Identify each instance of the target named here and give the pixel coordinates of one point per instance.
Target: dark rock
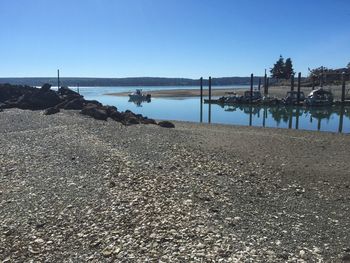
(129, 114)
(95, 102)
(148, 121)
(10, 92)
(66, 95)
(75, 104)
(65, 91)
(346, 258)
(46, 87)
(25, 97)
(40, 225)
(95, 112)
(131, 121)
(283, 256)
(166, 124)
(38, 100)
(114, 114)
(52, 110)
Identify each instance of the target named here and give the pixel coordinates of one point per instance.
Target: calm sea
(333, 119)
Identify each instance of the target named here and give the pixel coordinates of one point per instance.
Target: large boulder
(166, 124)
(25, 97)
(75, 104)
(65, 91)
(39, 100)
(46, 87)
(131, 121)
(94, 111)
(113, 113)
(52, 110)
(11, 93)
(145, 120)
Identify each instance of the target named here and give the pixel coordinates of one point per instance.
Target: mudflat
(274, 91)
(77, 189)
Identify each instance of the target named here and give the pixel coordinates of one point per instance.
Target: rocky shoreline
(73, 188)
(26, 97)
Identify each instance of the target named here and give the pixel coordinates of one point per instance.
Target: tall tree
(278, 69)
(348, 65)
(288, 68)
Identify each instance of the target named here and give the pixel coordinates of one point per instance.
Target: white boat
(319, 97)
(139, 96)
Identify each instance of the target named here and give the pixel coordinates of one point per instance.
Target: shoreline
(274, 91)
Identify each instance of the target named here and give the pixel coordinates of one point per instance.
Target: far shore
(274, 91)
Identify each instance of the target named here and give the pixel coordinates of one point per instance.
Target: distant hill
(108, 82)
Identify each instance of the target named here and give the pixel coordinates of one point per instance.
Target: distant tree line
(329, 75)
(283, 70)
(124, 82)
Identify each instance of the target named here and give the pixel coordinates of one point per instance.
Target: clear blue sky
(170, 38)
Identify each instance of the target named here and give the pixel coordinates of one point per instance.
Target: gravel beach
(75, 189)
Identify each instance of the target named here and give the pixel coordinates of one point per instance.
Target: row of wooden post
(266, 87)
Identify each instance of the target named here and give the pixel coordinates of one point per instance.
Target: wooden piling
(201, 100)
(58, 79)
(267, 86)
(292, 82)
(209, 89)
(299, 83)
(251, 88)
(209, 106)
(259, 84)
(265, 83)
(201, 88)
(343, 87)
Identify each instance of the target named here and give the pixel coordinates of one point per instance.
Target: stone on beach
(52, 110)
(166, 124)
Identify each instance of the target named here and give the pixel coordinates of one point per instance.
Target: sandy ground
(277, 91)
(74, 189)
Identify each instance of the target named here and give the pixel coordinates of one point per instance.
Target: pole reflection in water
(264, 116)
(250, 115)
(341, 119)
(297, 118)
(335, 119)
(290, 122)
(201, 111)
(209, 113)
(319, 124)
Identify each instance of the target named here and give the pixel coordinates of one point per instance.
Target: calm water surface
(333, 119)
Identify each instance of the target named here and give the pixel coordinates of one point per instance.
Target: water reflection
(290, 116)
(138, 102)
